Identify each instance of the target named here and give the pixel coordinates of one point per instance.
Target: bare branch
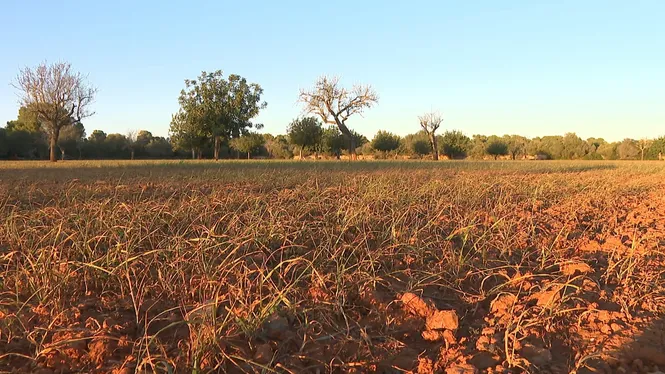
(59, 96)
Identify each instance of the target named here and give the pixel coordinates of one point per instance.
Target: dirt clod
(263, 354)
(442, 320)
(416, 305)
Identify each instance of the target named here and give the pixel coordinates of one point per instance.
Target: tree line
(216, 120)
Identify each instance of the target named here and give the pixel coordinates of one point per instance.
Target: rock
(462, 369)
(502, 304)
(547, 298)
(432, 335)
(484, 360)
(576, 267)
(416, 305)
(263, 354)
(276, 327)
(535, 355)
(425, 366)
(442, 320)
(449, 337)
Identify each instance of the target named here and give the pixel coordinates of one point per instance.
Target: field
(316, 267)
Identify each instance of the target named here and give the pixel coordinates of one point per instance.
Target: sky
(530, 67)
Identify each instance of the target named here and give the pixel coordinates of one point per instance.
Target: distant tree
(4, 145)
(517, 145)
(115, 146)
(334, 104)
(608, 151)
(657, 149)
(58, 96)
(278, 147)
(219, 107)
(248, 143)
(27, 121)
(186, 134)
(594, 143)
(552, 146)
(306, 133)
(478, 146)
(454, 144)
(333, 141)
(158, 147)
(97, 136)
(628, 149)
(643, 145)
(143, 137)
(25, 136)
(430, 122)
(132, 143)
(385, 141)
(416, 145)
(574, 147)
(496, 148)
(71, 139)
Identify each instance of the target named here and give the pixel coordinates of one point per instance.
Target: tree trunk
(316, 155)
(54, 143)
(248, 155)
(642, 154)
(349, 138)
(435, 148)
(131, 157)
(218, 142)
(300, 153)
(193, 153)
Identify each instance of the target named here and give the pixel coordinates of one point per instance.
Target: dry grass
(197, 267)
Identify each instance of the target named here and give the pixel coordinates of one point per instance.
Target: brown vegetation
(331, 267)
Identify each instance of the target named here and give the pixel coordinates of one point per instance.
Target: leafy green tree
(248, 143)
(478, 146)
(594, 143)
(516, 145)
(27, 121)
(416, 145)
(335, 104)
(454, 144)
(552, 146)
(221, 108)
(187, 135)
(496, 148)
(158, 147)
(385, 141)
(71, 140)
(333, 141)
(657, 149)
(4, 144)
(306, 133)
(58, 96)
(574, 147)
(115, 146)
(97, 136)
(278, 146)
(608, 151)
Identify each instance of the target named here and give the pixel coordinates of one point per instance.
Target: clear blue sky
(595, 67)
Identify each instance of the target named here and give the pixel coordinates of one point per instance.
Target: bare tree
(643, 144)
(430, 122)
(335, 104)
(59, 96)
(132, 136)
